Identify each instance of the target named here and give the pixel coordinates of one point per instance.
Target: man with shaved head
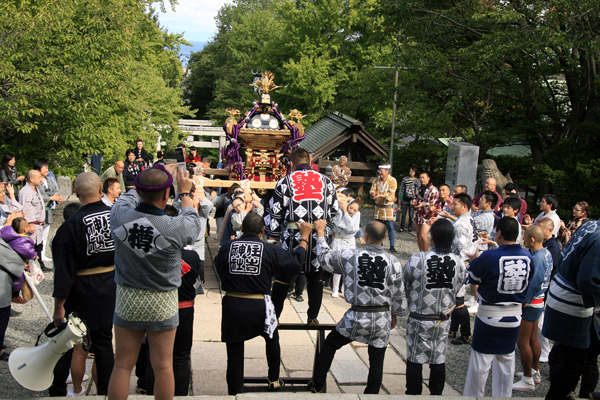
(148, 247)
(375, 291)
(490, 184)
(116, 171)
(550, 242)
(83, 251)
(30, 197)
(553, 247)
(533, 307)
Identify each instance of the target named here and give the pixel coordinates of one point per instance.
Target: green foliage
(324, 51)
(495, 72)
(427, 155)
(491, 72)
(80, 77)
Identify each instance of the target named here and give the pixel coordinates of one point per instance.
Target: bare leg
(419, 236)
(161, 357)
(524, 345)
(423, 235)
(94, 373)
(78, 367)
(536, 348)
(127, 343)
(474, 290)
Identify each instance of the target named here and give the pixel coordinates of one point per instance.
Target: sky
(195, 17)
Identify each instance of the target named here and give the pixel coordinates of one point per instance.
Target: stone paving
(346, 379)
(348, 372)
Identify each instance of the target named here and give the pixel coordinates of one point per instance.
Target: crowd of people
(129, 259)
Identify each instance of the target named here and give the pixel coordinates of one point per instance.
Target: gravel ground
(23, 330)
(457, 356)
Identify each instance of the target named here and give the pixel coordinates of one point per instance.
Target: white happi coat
(484, 221)
(432, 281)
(466, 240)
(372, 278)
(345, 229)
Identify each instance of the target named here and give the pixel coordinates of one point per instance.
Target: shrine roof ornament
(262, 128)
(265, 84)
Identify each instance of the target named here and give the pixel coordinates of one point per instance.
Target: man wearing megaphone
(83, 251)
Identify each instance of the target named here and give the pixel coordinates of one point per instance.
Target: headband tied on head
(158, 188)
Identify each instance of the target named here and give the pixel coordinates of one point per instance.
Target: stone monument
(65, 186)
(461, 168)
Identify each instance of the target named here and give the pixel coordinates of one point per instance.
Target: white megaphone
(33, 367)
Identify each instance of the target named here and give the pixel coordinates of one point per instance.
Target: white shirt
(554, 217)
(107, 201)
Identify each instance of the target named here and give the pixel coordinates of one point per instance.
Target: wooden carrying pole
(205, 182)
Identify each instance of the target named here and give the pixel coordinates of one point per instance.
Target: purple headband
(159, 188)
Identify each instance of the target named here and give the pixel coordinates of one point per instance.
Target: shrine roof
(331, 127)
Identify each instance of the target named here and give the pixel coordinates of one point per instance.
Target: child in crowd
(510, 208)
(346, 227)
(484, 217)
(15, 235)
(533, 307)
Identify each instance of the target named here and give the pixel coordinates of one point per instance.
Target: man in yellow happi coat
(383, 192)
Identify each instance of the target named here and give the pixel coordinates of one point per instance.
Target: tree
(221, 73)
(322, 50)
(80, 77)
(495, 72)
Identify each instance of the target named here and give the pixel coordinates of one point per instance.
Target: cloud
(195, 17)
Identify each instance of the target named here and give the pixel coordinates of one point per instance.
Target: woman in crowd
(580, 212)
(132, 168)
(9, 173)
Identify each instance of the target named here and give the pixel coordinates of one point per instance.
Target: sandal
(276, 385)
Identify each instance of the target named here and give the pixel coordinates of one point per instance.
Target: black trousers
(336, 341)
(406, 208)
(104, 356)
(460, 316)
(297, 285)
(235, 362)
(414, 378)
(4, 318)
(567, 364)
(314, 289)
(181, 355)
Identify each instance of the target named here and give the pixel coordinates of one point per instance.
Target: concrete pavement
(348, 372)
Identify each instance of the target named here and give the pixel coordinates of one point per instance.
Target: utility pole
(397, 67)
(393, 116)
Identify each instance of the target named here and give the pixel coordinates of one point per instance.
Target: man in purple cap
(148, 247)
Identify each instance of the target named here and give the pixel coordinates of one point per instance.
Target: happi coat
(340, 175)
(303, 196)
(427, 196)
(432, 281)
(345, 230)
(372, 278)
(573, 293)
(384, 205)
